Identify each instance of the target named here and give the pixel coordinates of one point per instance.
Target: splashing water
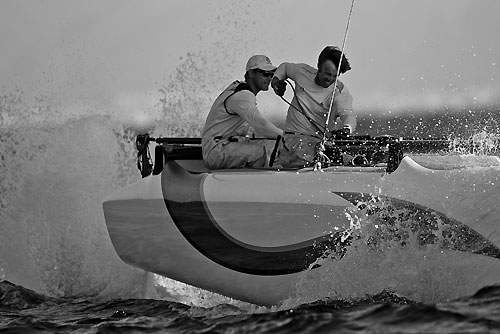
(407, 251)
(58, 163)
(54, 180)
(480, 143)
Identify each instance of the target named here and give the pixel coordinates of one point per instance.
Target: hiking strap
(240, 87)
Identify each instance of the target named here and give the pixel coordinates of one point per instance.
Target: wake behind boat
(251, 233)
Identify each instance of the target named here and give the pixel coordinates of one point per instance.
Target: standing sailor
(307, 115)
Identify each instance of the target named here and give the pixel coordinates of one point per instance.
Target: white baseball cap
(261, 62)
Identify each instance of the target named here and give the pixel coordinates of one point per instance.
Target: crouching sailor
(225, 143)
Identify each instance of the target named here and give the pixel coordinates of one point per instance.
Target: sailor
(225, 138)
(307, 114)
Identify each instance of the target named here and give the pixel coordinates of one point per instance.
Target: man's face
(262, 79)
(326, 74)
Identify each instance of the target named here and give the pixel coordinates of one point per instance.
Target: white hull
(250, 235)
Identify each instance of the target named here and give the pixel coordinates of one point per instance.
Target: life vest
(241, 86)
(222, 122)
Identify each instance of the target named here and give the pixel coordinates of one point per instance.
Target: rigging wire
(338, 72)
(320, 152)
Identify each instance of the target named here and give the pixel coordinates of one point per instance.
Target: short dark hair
(333, 53)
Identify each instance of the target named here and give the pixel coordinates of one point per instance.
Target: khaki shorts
(243, 153)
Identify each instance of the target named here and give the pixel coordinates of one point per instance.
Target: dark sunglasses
(266, 74)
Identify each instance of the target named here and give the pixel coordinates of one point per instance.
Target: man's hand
(343, 133)
(279, 86)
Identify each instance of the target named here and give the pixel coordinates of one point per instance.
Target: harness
(240, 87)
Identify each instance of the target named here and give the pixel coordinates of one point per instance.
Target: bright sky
(121, 52)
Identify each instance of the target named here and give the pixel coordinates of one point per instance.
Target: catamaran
(251, 233)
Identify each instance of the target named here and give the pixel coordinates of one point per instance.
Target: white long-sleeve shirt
(232, 114)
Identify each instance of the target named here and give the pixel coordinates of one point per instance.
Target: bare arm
(343, 106)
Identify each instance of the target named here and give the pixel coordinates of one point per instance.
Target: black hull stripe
(184, 202)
